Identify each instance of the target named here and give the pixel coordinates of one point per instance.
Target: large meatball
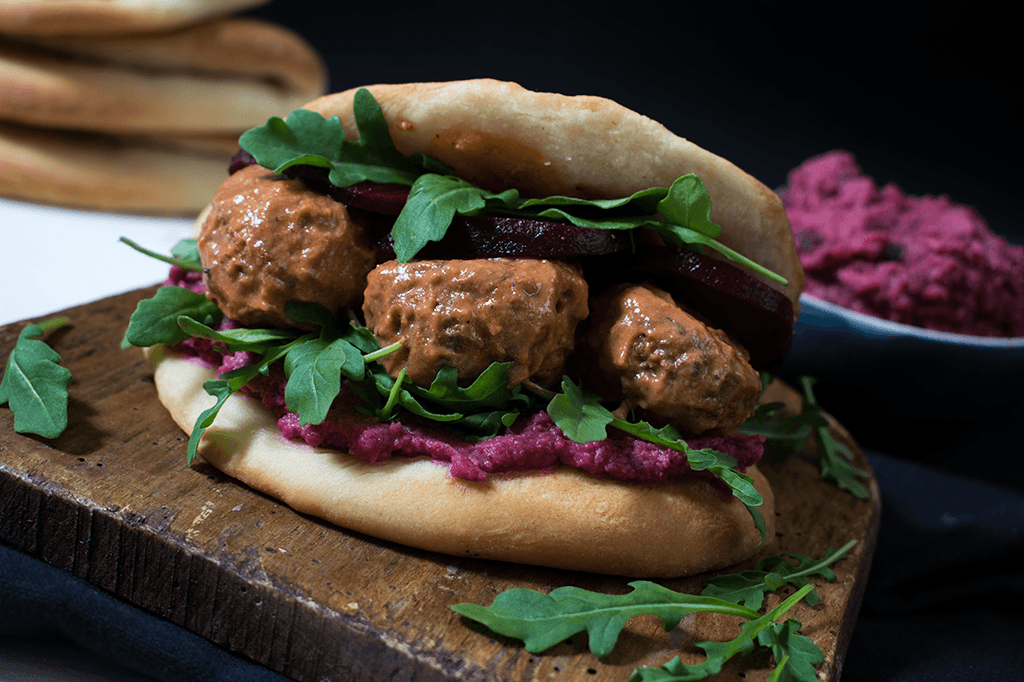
(657, 357)
(469, 313)
(269, 239)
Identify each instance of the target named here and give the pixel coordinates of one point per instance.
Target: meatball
(469, 313)
(269, 239)
(657, 357)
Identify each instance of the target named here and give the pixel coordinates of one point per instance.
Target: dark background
(925, 95)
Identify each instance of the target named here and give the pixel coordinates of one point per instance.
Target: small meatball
(469, 313)
(269, 239)
(659, 358)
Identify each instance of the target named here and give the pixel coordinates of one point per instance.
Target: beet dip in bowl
(912, 319)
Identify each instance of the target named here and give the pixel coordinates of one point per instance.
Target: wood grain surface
(112, 501)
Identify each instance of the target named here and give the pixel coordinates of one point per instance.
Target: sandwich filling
(491, 356)
(532, 443)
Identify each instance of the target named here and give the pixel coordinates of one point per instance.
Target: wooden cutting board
(112, 502)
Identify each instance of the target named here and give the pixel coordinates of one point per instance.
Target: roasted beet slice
(503, 236)
(240, 161)
(383, 198)
(750, 311)
(386, 199)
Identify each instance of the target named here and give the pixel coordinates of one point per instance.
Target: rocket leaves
(795, 654)
(680, 213)
(582, 417)
(34, 384)
(155, 319)
(749, 587)
(434, 201)
(307, 138)
(544, 620)
(316, 363)
(787, 434)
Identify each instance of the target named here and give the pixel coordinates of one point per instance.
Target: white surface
(52, 258)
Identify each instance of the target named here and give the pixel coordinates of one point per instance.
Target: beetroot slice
(503, 236)
(753, 313)
(386, 199)
(240, 160)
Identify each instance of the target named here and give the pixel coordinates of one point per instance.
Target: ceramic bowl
(894, 383)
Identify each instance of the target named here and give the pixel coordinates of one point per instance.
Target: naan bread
(94, 17)
(108, 174)
(563, 518)
(216, 78)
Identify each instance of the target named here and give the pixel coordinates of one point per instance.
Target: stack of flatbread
(137, 105)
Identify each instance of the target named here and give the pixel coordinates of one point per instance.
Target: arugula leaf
(187, 251)
(478, 411)
(35, 384)
(645, 202)
(689, 204)
(489, 390)
(584, 419)
(787, 434)
(155, 320)
(307, 138)
(240, 339)
(313, 370)
(434, 201)
(579, 414)
(798, 650)
(796, 654)
(835, 458)
(543, 620)
(749, 587)
(224, 387)
(184, 254)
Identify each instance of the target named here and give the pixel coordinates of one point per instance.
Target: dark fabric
(49, 607)
(947, 582)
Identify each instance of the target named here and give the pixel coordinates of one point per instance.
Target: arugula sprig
(785, 435)
(35, 384)
(749, 587)
(437, 195)
(307, 138)
(543, 620)
(184, 254)
(479, 410)
(795, 654)
(583, 418)
(315, 362)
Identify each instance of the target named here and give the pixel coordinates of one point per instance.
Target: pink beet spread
(533, 443)
(923, 261)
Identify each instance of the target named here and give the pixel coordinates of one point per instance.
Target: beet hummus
(922, 261)
(533, 443)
